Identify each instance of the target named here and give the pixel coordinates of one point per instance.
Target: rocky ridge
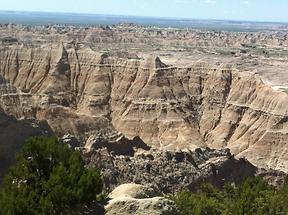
(139, 36)
(169, 172)
(82, 92)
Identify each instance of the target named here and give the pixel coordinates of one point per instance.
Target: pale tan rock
(136, 191)
(136, 199)
(79, 91)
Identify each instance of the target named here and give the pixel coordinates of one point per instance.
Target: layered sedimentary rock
(138, 36)
(82, 92)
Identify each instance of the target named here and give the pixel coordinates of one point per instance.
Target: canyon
(88, 83)
(81, 93)
(156, 110)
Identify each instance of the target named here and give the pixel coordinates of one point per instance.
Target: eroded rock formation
(137, 199)
(137, 36)
(83, 92)
(172, 171)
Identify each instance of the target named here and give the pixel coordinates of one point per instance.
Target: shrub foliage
(48, 178)
(253, 196)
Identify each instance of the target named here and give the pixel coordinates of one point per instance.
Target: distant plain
(47, 18)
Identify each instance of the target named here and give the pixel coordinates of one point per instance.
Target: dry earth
(172, 88)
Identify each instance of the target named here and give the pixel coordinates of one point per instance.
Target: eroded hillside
(86, 93)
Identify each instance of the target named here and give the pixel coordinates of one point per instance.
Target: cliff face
(79, 91)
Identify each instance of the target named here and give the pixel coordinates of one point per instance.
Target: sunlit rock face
(81, 92)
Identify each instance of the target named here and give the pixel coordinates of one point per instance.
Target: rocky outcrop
(118, 145)
(79, 92)
(171, 171)
(137, 199)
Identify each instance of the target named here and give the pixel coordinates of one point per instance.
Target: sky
(252, 10)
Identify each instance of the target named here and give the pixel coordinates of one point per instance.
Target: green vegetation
(253, 196)
(48, 178)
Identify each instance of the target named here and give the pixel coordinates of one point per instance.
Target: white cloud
(245, 2)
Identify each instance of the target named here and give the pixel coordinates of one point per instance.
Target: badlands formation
(89, 85)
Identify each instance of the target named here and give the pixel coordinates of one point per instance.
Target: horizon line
(143, 16)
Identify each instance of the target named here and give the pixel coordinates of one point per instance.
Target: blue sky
(254, 10)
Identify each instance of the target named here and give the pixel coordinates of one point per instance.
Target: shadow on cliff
(232, 171)
(122, 146)
(13, 134)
